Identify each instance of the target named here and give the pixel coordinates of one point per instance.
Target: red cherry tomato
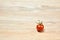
(40, 28)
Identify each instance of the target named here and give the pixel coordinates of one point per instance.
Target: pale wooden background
(18, 19)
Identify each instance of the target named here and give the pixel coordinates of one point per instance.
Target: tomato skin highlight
(40, 28)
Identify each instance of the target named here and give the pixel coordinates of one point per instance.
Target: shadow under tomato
(40, 31)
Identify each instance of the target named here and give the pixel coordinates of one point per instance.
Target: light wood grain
(18, 19)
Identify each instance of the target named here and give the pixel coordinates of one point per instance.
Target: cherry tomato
(40, 27)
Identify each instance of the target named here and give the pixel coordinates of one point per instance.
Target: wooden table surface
(18, 19)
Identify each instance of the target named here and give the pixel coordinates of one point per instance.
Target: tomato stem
(39, 22)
